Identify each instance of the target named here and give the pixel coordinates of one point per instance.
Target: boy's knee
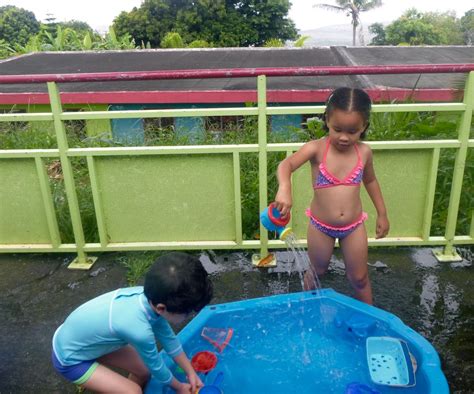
(136, 390)
(144, 373)
(130, 387)
(142, 377)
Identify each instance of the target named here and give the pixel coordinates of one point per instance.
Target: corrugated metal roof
(178, 59)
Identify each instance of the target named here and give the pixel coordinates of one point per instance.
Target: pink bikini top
(326, 179)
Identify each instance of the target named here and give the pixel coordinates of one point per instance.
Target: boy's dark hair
(179, 281)
(348, 99)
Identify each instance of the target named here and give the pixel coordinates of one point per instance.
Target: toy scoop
(214, 387)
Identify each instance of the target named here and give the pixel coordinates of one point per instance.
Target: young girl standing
(340, 162)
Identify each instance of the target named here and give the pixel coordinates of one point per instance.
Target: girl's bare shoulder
(365, 153)
(364, 149)
(313, 144)
(315, 147)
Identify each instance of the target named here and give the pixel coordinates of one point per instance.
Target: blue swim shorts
(77, 373)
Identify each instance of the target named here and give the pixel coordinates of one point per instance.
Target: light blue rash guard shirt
(111, 321)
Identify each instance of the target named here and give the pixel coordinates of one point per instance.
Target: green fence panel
(466, 205)
(167, 198)
(22, 212)
(189, 197)
(404, 178)
(302, 195)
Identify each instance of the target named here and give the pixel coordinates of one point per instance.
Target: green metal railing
(189, 197)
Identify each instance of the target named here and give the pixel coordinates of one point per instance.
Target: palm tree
(352, 8)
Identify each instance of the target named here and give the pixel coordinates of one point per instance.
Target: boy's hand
(283, 202)
(382, 226)
(184, 388)
(194, 381)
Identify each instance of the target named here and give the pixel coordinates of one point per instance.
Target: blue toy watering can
(272, 221)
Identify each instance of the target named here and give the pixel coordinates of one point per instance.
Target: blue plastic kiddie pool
(312, 342)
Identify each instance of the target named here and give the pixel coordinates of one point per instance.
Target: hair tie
(330, 97)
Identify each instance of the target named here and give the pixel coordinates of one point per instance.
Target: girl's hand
(382, 226)
(194, 381)
(283, 201)
(184, 388)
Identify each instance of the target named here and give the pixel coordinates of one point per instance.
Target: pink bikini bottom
(336, 232)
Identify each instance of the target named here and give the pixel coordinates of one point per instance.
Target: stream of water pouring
(301, 261)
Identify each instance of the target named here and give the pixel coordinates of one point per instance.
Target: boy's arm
(194, 380)
(172, 346)
(166, 337)
(375, 193)
(144, 343)
(143, 340)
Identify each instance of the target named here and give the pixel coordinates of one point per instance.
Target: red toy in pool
(204, 361)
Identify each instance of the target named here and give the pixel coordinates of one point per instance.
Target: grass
(137, 264)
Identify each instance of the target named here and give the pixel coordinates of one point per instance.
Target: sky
(100, 14)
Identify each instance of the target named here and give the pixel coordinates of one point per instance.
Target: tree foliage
(17, 25)
(378, 31)
(68, 39)
(467, 27)
(446, 25)
(299, 43)
(352, 8)
(412, 29)
(274, 43)
(277, 43)
(417, 28)
(198, 44)
(5, 49)
(172, 40)
(80, 27)
(220, 23)
(150, 22)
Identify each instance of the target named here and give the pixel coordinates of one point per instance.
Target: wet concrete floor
(37, 292)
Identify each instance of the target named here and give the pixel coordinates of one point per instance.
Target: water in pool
(297, 347)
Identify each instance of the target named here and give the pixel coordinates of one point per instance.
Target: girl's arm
(373, 189)
(283, 200)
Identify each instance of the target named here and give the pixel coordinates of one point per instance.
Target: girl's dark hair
(179, 281)
(348, 99)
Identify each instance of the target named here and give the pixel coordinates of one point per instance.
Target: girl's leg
(355, 251)
(104, 380)
(320, 248)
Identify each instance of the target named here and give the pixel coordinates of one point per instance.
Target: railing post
(262, 163)
(82, 261)
(449, 253)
